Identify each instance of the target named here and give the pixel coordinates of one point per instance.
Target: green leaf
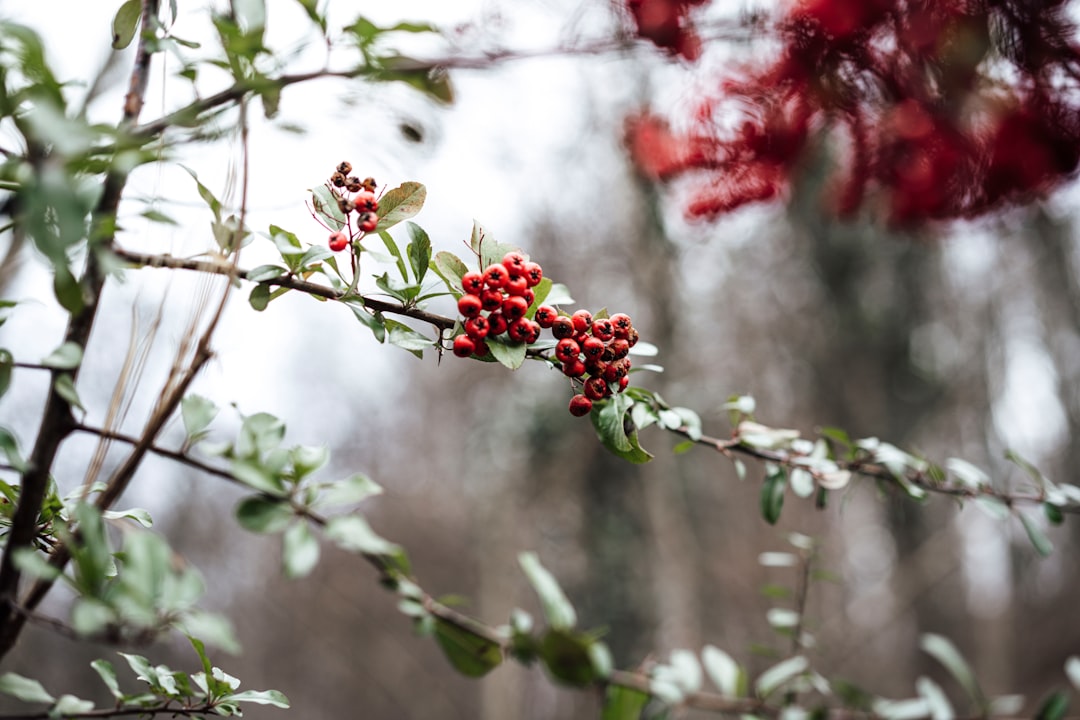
(559, 295)
(125, 23)
(405, 337)
(325, 203)
(204, 192)
(470, 654)
(509, 354)
(66, 357)
(139, 515)
(107, 673)
(608, 419)
(723, 671)
(212, 628)
(567, 657)
(67, 290)
(372, 320)
(265, 272)
(257, 477)
(260, 297)
(352, 533)
(24, 688)
(30, 562)
(65, 388)
(1054, 707)
(353, 489)
(942, 650)
(559, 612)
(940, 707)
(7, 364)
(419, 250)
(70, 705)
(772, 494)
(1038, 539)
(623, 703)
(450, 268)
(260, 697)
(400, 203)
(778, 675)
(300, 550)
(10, 447)
(263, 514)
(197, 412)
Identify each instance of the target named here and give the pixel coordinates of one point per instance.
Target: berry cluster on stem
(592, 352)
(352, 195)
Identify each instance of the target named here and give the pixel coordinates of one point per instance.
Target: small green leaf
(139, 515)
(419, 250)
(559, 295)
(257, 477)
(772, 494)
(1054, 707)
(260, 697)
(24, 688)
(353, 489)
(509, 354)
(325, 203)
(450, 268)
(567, 657)
(1038, 539)
(7, 364)
(262, 514)
(352, 533)
(623, 703)
(70, 705)
(400, 203)
(260, 297)
(107, 673)
(778, 675)
(470, 654)
(66, 357)
(372, 320)
(942, 650)
(724, 672)
(300, 550)
(197, 412)
(30, 562)
(125, 23)
(559, 612)
(65, 388)
(405, 337)
(608, 419)
(265, 272)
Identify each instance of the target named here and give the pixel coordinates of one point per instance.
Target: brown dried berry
(337, 179)
(345, 167)
(346, 205)
(369, 184)
(353, 184)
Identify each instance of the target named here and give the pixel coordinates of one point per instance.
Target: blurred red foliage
(946, 108)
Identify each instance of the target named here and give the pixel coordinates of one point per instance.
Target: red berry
(477, 328)
(514, 262)
(619, 347)
(481, 348)
(529, 295)
(491, 299)
(533, 273)
(338, 241)
(472, 283)
(593, 348)
(515, 284)
(612, 373)
(580, 405)
(534, 332)
(368, 221)
(632, 337)
(562, 327)
(366, 202)
(624, 382)
(595, 368)
(464, 346)
(495, 276)
(603, 329)
(545, 316)
(469, 306)
(582, 320)
(496, 324)
(621, 323)
(573, 368)
(567, 350)
(596, 388)
(514, 307)
(519, 330)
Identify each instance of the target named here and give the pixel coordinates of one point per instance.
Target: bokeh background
(953, 341)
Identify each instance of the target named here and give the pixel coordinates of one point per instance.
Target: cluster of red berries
(590, 351)
(496, 301)
(353, 195)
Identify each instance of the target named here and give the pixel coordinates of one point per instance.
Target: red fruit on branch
(580, 406)
(464, 346)
(338, 241)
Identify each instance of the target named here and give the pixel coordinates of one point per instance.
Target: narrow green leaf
(352, 533)
(722, 670)
(419, 250)
(772, 495)
(124, 24)
(372, 320)
(7, 364)
(559, 612)
(24, 688)
(778, 675)
(353, 489)
(941, 649)
(405, 337)
(470, 654)
(1038, 539)
(300, 550)
(65, 388)
(265, 272)
(509, 354)
(70, 705)
(105, 670)
(139, 515)
(1054, 707)
(260, 697)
